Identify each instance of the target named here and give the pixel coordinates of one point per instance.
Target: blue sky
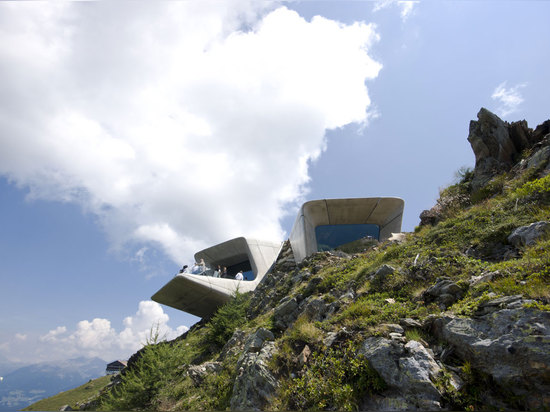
(131, 138)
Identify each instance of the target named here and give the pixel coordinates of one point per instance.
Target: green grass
(335, 378)
(82, 394)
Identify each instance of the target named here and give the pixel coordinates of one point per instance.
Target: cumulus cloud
(509, 98)
(177, 124)
(97, 337)
(406, 6)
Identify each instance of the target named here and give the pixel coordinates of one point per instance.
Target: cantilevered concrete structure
(380, 217)
(201, 295)
(320, 224)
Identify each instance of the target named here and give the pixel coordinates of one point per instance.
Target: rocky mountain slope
(453, 316)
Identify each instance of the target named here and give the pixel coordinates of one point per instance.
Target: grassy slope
(71, 397)
(478, 222)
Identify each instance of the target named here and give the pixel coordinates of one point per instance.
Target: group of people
(199, 268)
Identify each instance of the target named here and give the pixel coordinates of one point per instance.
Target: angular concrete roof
(201, 295)
(386, 212)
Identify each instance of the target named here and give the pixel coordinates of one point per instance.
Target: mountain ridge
(30, 383)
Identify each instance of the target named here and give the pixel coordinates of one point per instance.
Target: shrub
(142, 382)
(538, 188)
(335, 379)
(224, 322)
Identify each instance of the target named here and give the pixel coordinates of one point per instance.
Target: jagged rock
(398, 237)
(303, 357)
(330, 338)
(529, 235)
(255, 383)
(540, 159)
(234, 345)
(484, 277)
(66, 408)
(256, 340)
(392, 328)
(315, 309)
(408, 370)
(285, 314)
(431, 216)
(382, 273)
(511, 345)
(496, 145)
(198, 372)
(508, 302)
(409, 323)
(445, 292)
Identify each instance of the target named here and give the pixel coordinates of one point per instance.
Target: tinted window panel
(332, 236)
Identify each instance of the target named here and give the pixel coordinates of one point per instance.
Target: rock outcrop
(255, 383)
(529, 235)
(508, 342)
(498, 145)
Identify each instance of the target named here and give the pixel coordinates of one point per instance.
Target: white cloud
(94, 338)
(406, 6)
(178, 124)
(509, 98)
(53, 335)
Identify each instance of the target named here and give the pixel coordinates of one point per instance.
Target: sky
(134, 134)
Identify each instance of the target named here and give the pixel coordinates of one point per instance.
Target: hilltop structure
(320, 225)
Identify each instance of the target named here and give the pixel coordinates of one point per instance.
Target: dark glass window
(331, 236)
(245, 267)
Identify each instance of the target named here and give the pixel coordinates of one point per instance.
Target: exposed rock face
(445, 292)
(255, 383)
(510, 344)
(529, 235)
(498, 145)
(198, 372)
(408, 370)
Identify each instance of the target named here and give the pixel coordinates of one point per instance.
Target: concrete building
(201, 294)
(320, 225)
(327, 223)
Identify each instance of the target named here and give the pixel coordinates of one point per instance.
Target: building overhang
(385, 212)
(201, 295)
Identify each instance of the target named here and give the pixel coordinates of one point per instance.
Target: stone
(445, 292)
(492, 145)
(198, 372)
(540, 159)
(409, 323)
(484, 277)
(408, 370)
(285, 314)
(382, 273)
(255, 383)
(398, 238)
(510, 345)
(493, 305)
(256, 340)
(303, 357)
(392, 327)
(66, 408)
(529, 235)
(234, 345)
(329, 339)
(315, 309)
